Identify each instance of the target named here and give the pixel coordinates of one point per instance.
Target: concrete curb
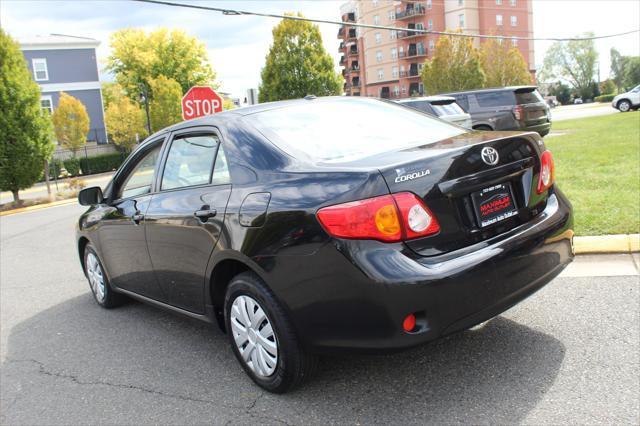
(39, 207)
(626, 243)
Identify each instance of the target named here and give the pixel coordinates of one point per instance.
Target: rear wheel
(624, 105)
(482, 127)
(263, 338)
(98, 281)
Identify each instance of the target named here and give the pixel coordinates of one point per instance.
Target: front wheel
(98, 281)
(624, 105)
(262, 337)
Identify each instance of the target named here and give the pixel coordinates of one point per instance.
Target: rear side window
(495, 99)
(450, 108)
(423, 106)
(528, 97)
(190, 161)
(339, 130)
(221, 174)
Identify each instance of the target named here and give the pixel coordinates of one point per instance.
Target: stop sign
(200, 101)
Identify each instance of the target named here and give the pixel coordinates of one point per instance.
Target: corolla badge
(489, 155)
(411, 176)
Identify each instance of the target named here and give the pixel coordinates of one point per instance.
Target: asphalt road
(569, 354)
(569, 112)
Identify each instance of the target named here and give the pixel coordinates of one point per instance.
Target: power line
(225, 11)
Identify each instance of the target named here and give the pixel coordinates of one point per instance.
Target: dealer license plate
(494, 204)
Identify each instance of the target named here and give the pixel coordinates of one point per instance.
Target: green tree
(503, 65)
(608, 87)
(165, 106)
(25, 130)
(631, 71)
(455, 66)
(573, 61)
(137, 58)
(125, 121)
(617, 68)
(71, 123)
(297, 64)
(111, 92)
(562, 92)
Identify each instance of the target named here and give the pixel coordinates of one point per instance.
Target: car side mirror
(90, 196)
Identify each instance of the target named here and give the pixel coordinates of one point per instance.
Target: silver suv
(627, 101)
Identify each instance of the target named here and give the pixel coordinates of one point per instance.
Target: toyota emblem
(489, 155)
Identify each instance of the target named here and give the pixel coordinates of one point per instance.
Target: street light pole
(145, 99)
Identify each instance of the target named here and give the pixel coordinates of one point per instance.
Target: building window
(394, 72)
(401, 51)
(46, 103)
(40, 72)
(419, 26)
(499, 20)
(380, 74)
(402, 74)
(392, 15)
(430, 24)
(394, 34)
(396, 91)
(500, 41)
(461, 20)
(378, 38)
(498, 2)
(404, 89)
(432, 44)
(429, 4)
(379, 56)
(514, 42)
(512, 3)
(394, 53)
(376, 20)
(514, 21)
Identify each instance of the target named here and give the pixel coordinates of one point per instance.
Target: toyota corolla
(320, 225)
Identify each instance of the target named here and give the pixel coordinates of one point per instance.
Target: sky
(237, 45)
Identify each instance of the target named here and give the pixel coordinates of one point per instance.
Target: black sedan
(319, 225)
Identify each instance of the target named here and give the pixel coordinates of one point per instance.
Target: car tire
(275, 358)
(624, 105)
(98, 281)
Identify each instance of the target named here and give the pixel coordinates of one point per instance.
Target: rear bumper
(542, 129)
(355, 294)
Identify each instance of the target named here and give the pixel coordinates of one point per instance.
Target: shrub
(72, 165)
(605, 98)
(101, 163)
(55, 167)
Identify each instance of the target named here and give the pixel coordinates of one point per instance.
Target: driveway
(568, 354)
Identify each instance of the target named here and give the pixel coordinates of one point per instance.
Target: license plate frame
(494, 204)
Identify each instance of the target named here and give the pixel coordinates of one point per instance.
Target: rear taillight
(518, 112)
(388, 218)
(547, 172)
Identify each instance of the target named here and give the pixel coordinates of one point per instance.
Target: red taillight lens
(389, 218)
(547, 172)
(518, 112)
(409, 323)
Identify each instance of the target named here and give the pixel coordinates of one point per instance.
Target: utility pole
(144, 97)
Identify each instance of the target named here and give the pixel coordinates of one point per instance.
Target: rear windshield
(495, 99)
(528, 97)
(447, 108)
(340, 129)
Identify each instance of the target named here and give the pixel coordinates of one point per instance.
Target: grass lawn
(598, 166)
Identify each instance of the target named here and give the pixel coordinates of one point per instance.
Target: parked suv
(506, 108)
(443, 107)
(627, 101)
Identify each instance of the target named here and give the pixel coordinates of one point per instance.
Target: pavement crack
(75, 379)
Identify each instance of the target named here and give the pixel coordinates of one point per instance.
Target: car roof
(495, 89)
(435, 98)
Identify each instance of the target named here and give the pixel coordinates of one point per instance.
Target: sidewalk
(603, 265)
(39, 190)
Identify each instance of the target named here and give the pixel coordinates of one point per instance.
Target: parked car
(627, 101)
(318, 225)
(443, 107)
(506, 108)
(578, 101)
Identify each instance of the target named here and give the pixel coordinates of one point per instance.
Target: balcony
(341, 32)
(343, 60)
(341, 47)
(418, 10)
(413, 32)
(355, 67)
(355, 82)
(415, 52)
(353, 50)
(411, 73)
(352, 34)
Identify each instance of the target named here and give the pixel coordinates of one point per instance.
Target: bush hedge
(72, 165)
(102, 163)
(605, 98)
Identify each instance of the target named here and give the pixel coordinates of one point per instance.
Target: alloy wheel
(624, 106)
(254, 336)
(96, 277)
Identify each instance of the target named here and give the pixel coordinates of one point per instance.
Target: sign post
(200, 101)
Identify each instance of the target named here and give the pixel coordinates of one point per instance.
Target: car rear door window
(221, 174)
(495, 99)
(140, 179)
(528, 97)
(190, 161)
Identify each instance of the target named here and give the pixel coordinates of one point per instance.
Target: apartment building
(388, 63)
(63, 63)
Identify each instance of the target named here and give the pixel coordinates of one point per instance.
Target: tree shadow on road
(138, 355)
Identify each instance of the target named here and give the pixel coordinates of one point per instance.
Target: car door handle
(137, 217)
(205, 214)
